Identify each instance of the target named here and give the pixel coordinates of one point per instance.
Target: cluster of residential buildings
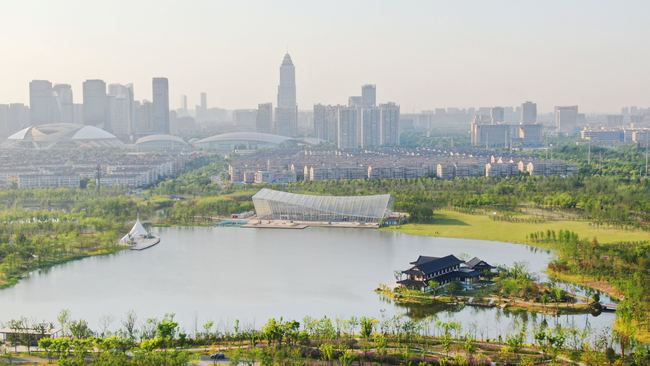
(289, 165)
(360, 124)
(75, 168)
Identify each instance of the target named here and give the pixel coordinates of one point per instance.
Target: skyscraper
(566, 119)
(201, 110)
(12, 118)
(160, 114)
(325, 122)
(204, 101)
(64, 102)
(41, 102)
(355, 101)
(4, 121)
(528, 113)
(369, 95)
(184, 103)
(389, 123)
(348, 128)
(498, 114)
(18, 116)
(264, 118)
(95, 100)
(286, 113)
(120, 106)
(370, 127)
(142, 123)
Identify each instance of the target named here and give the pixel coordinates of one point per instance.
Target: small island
(453, 281)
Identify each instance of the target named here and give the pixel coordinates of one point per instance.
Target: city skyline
(470, 54)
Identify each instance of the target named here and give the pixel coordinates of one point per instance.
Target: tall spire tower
(286, 113)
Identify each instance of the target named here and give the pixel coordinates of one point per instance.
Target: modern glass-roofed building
(277, 205)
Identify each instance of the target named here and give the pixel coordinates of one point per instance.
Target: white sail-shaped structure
(137, 231)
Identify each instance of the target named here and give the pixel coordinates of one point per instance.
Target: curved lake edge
(362, 258)
(581, 281)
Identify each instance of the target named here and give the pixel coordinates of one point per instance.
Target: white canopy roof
(136, 231)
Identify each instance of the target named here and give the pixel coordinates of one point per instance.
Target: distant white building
(389, 123)
(264, 118)
(95, 103)
(42, 103)
(566, 119)
(120, 109)
(64, 102)
(348, 128)
(160, 113)
(369, 95)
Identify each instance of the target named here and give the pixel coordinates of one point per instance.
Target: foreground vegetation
(611, 260)
(43, 228)
(608, 217)
(356, 341)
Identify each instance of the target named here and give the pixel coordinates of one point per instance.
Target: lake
(228, 273)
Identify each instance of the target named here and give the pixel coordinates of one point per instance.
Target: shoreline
(488, 302)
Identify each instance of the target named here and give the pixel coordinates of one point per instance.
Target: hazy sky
(421, 54)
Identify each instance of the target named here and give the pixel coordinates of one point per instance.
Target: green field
(452, 224)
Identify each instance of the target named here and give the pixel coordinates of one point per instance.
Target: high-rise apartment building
(531, 134)
(245, 119)
(566, 119)
(64, 102)
(389, 123)
(355, 101)
(348, 128)
(120, 106)
(326, 122)
(42, 103)
(286, 113)
(487, 134)
(143, 121)
(264, 118)
(184, 103)
(204, 101)
(528, 113)
(201, 110)
(371, 127)
(95, 103)
(498, 114)
(160, 116)
(369, 95)
(13, 117)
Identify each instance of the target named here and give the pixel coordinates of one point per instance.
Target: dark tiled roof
(413, 271)
(451, 276)
(411, 283)
(423, 259)
(467, 273)
(476, 261)
(438, 264)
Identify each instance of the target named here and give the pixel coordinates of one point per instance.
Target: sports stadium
(283, 206)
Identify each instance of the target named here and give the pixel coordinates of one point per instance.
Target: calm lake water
(223, 274)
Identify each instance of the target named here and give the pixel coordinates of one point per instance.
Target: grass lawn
(454, 224)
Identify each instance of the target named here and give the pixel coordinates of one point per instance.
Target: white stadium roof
(278, 205)
(245, 137)
(62, 135)
(160, 138)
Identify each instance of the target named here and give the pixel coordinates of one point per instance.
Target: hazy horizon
(421, 54)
